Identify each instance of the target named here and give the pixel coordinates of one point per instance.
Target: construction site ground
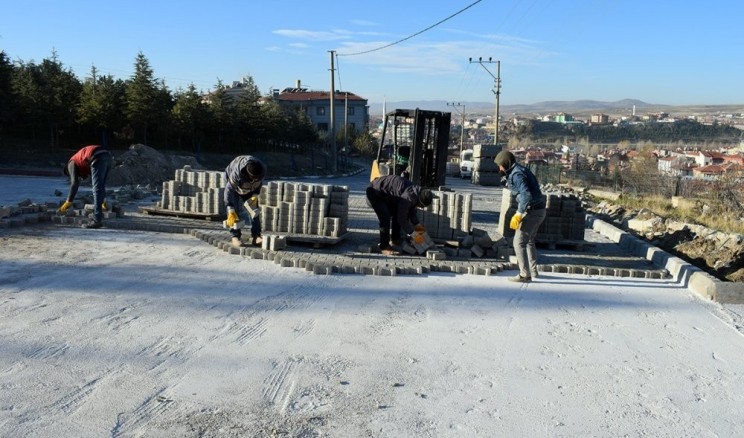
(350, 255)
(141, 329)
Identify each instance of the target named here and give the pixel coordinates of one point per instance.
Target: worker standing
(530, 213)
(93, 161)
(394, 199)
(244, 175)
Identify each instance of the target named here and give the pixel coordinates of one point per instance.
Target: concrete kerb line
(686, 274)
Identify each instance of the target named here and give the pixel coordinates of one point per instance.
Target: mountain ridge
(576, 107)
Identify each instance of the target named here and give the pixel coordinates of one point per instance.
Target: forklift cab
(414, 145)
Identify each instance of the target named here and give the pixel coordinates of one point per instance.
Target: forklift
(414, 145)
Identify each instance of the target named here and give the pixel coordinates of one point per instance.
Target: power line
(415, 34)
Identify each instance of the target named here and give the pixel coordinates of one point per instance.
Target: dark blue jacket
(524, 186)
(401, 195)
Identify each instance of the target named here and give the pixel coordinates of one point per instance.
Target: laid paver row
(323, 263)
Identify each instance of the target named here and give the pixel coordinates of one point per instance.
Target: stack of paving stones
(291, 208)
(194, 192)
(485, 170)
(449, 219)
(302, 209)
(564, 224)
(449, 215)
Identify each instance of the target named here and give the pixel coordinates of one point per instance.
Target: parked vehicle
(466, 164)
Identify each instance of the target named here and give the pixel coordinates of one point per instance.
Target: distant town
(707, 157)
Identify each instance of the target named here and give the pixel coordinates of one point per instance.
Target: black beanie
(425, 197)
(256, 169)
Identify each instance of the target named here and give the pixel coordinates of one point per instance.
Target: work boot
(257, 241)
(388, 250)
(92, 224)
(235, 242)
(520, 279)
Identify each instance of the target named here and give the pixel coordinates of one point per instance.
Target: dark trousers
(387, 213)
(99, 169)
(243, 213)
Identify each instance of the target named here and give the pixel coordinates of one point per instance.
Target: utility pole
(332, 124)
(462, 126)
(496, 90)
(346, 128)
(346, 120)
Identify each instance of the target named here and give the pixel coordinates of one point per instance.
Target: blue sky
(658, 51)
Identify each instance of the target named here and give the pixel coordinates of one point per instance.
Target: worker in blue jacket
(530, 213)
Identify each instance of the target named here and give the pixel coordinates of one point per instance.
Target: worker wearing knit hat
(529, 215)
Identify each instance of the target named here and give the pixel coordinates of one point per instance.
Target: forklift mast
(414, 145)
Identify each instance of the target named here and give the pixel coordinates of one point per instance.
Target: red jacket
(82, 159)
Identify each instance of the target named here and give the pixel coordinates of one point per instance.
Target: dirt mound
(144, 165)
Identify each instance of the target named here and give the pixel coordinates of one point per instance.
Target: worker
(93, 161)
(529, 215)
(394, 199)
(244, 176)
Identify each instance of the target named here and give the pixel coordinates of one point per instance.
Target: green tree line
(44, 106)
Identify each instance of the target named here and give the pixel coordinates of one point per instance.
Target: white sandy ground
(115, 333)
(134, 334)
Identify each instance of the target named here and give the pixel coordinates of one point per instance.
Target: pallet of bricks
(194, 192)
(564, 224)
(305, 210)
(485, 170)
(310, 210)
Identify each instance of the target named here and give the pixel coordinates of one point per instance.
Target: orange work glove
(420, 228)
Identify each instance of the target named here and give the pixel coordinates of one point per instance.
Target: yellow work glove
(103, 205)
(420, 228)
(63, 209)
(232, 217)
(516, 220)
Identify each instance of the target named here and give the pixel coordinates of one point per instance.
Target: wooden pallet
(317, 241)
(180, 214)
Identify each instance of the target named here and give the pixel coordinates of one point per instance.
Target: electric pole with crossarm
(496, 90)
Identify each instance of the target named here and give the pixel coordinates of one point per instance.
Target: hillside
(576, 107)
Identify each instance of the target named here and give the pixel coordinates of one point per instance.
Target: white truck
(466, 163)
